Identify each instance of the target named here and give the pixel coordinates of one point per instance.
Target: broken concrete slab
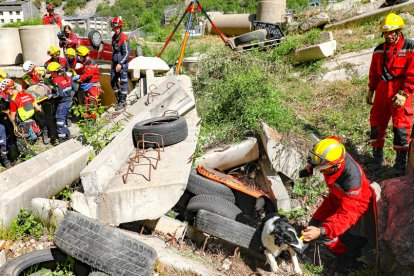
(372, 15)
(41, 178)
(316, 52)
(141, 64)
(316, 21)
(2, 257)
(283, 159)
(50, 211)
(231, 156)
(171, 227)
(169, 95)
(281, 193)
(348, 66)
(140, 199)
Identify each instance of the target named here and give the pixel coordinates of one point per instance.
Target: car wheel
(251, 36)
(102, 247)
(49, 258)
(172, 128)
(216, 205)
(95, 37)
(199, 185)
(229, 230)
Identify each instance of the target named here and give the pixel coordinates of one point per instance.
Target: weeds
(23, 226)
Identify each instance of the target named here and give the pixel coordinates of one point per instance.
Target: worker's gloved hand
(399, 99)
(369, 97)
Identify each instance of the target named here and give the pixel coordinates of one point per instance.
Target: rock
(318, 20)
(396, 224)
(50, 210)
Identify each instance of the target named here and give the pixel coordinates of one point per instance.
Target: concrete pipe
(271, 11)
(10, 47)
(231, 24)
(36, 40)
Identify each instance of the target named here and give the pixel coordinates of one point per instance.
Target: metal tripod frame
(192, 9)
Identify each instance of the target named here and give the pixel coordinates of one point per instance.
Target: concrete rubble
(106, 197)
(50, 211)
(2, 253)
(44, 176)
(316, 21)
(348, 66)
(316, 52)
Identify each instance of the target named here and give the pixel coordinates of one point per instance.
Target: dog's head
(284, 233)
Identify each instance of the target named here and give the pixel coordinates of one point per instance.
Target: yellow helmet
(70, 52)
(392, 22)
(82, 51)
(54, 67)
(53, 50)
(3, 75)
(327, 153)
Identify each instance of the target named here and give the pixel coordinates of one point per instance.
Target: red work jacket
(90, 72)
(399, 60)
(54, 19)
(349, 198)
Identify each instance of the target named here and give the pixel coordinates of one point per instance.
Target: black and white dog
(279, 235)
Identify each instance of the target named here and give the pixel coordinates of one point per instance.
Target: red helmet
(50, 7)
(116, 22)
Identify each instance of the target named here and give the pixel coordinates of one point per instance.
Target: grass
(29, 22)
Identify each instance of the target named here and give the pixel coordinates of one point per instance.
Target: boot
(45, 136)
(378, 161)
(121, 101)
(400, 162)
(5, 161)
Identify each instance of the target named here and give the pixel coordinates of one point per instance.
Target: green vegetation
(23, 226)
(29, 22)
(71, 6)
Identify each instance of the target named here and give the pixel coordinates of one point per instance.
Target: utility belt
(387, 76)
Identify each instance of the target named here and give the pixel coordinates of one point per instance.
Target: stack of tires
(211, 207)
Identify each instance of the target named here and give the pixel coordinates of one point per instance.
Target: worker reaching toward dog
(391, 79)
(348, 199)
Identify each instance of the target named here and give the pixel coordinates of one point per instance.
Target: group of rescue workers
(351, 198)
(391, 79)
(72, 79)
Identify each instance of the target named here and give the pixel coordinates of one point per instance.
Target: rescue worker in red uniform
(33, 75)
(391, 79)
(119, 67)
(348, 199)
(88, 75)
(51, 17)
(67, 38)
(63, 89)
(54, 53)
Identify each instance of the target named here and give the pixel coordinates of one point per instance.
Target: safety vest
(26, 111)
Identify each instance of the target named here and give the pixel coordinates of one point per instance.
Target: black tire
(96, 38)
(97, 273)
(200, 185)
(45, 258)
(173, 129)
(248, 37)
(102, 247)
(214, 204)
(229, 230)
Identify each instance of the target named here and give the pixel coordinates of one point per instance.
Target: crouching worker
(89, 78)
(21, 111)
(348, 199)
(63, 88)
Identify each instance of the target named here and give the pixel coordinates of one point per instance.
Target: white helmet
(28, 66)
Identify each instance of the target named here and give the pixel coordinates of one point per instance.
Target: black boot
(121, 102)
(5, 161)
(378, 161)
(400, 162)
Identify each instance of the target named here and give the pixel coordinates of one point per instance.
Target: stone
(318, 20)
(50, 211)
